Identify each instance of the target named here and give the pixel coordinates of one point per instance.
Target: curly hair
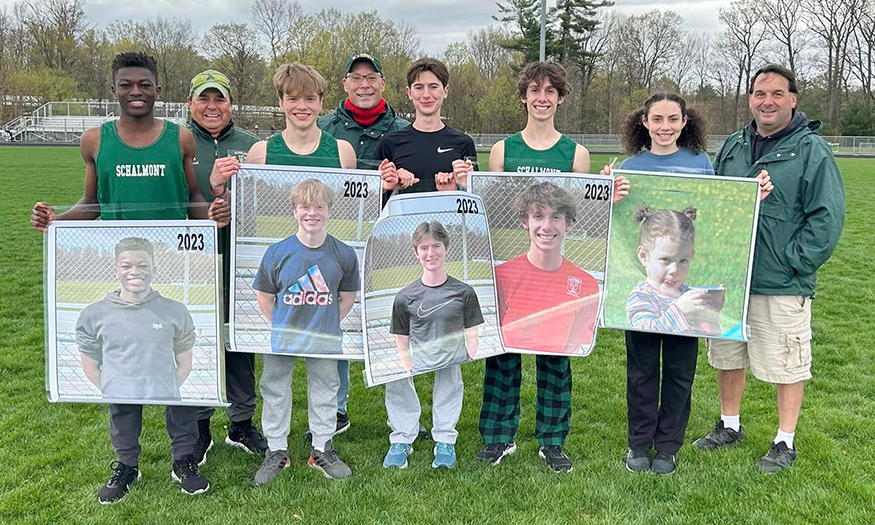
(636, 137)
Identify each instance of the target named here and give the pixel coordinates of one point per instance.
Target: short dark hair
(433, 229)
(135, 59)
(552, 71)
(134, 244)
(438, 68)
(777, 69)
(543, 194)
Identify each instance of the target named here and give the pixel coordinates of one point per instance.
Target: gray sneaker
(720, 437)
(274, 462)
(664, 463)
(637, 460)
(329, 463)
(777, 458)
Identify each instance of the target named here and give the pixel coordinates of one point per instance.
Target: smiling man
(799, 227)
(216, 138)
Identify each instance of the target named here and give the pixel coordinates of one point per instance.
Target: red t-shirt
(537, 308)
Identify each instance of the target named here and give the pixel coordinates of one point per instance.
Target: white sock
(786, 437)
(733, 422)
(319, 449)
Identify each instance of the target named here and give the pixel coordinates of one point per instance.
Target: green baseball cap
(364, 57)
(210, 79)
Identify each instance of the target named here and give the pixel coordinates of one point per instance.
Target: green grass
(53, 458)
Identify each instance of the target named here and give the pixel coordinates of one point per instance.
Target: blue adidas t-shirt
(307, 282)
(681, 161)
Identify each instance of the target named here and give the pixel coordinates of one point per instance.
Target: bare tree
(271, 20)
(862, 53)
(785, 25)
(648, 44)
(233, 49)
(55, 28)
(485, 47)
(834, 22)
(743, 34)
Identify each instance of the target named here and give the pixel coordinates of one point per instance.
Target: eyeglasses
(355, 78)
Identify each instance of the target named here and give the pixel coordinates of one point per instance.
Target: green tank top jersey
(145, 183)
(325, 156)
(520, 158)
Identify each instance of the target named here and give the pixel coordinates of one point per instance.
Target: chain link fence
(84, 272)
(585, 243)
(390, 265)
(263, 216)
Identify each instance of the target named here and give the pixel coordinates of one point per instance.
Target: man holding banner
(799, 227)
(217, 138)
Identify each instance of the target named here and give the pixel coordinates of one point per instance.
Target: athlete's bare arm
(86, 208)
(403, 343)
(472, 340)
(91, 369)
(265, 304)
(196, 201)
(496, 156)
(581, 160)
(347, 155)
(183, 366)
(347, 299)
(257, 153)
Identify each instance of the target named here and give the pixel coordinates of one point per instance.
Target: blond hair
(312, 191)
(298, 79)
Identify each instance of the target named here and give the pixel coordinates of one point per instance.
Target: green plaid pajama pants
(500, 414)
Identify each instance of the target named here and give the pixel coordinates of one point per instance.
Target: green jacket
(364, 140)
(231, 141)
(801, 221)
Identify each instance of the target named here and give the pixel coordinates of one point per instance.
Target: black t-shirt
(425, 153)
(435, 318)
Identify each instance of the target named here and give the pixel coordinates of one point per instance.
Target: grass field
(53, 458)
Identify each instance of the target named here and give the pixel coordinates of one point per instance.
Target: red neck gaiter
(366, 117)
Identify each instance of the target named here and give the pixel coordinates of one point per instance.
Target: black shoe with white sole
(495, 452)
(245, 436)
(637, 460)
(664, 463)
(123, 476)
(556, 458)
(185, 473)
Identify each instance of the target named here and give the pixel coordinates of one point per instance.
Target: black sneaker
(664, 463)
(778, 457)
(245, 436)
(186, 474)
(495, 452)
(204, 442)
(637, 460)
(720, 437)
(123, 476)
(329, 463)
(342, 423)
(556, 458)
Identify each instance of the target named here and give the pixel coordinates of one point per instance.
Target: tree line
(50, 51)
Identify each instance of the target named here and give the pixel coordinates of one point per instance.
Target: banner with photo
(428, 287)
(132, 313)
(681, 252)
(263, 216)
(549, 242)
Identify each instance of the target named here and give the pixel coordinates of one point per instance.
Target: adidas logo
(311, 289)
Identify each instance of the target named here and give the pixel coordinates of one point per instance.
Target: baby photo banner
(132, 313)
(263, 222)
(681, 252)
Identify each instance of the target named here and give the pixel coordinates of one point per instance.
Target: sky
(461, 16)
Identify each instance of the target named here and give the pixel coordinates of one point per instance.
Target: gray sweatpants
(276, 395)
(402, 405)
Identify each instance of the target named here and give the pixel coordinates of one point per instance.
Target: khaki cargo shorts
(779, 350)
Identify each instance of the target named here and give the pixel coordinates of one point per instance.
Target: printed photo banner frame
(702, 289)
(262, 216)
(551, 309)
(413, 328)
(133, 313)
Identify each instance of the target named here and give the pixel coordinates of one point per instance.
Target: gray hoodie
(136, 344)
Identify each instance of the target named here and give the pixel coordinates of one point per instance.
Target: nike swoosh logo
(441, 150)
(427, 312)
